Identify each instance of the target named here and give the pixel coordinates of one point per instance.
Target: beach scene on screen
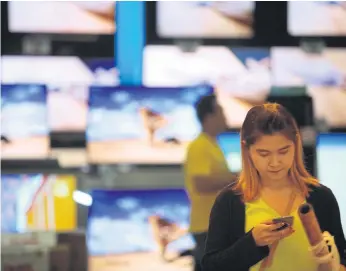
(205, 19)
(142, 125)
(128, 215)
(24, 122)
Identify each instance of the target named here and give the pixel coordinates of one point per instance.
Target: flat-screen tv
(141, 222)
(24, 122)
(62, 17)
(331, 161)
(317, 18)
(241, 77)
(139, 125)
(323, 74)
(37, 202)
(205, 19)
(230, 145)
(67, 79)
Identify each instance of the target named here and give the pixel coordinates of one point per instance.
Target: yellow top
(204, 157)
(292, 252)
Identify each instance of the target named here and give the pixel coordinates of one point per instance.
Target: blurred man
(206, 170)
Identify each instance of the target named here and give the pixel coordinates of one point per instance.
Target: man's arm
(198, 166)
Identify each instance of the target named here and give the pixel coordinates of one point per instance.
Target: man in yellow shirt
(206, 170)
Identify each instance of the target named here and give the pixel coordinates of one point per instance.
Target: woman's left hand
(329, 256)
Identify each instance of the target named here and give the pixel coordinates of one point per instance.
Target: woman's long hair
(268, 119)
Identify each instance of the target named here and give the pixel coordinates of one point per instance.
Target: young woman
(273, 183)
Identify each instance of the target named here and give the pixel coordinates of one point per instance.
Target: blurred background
(80, 179)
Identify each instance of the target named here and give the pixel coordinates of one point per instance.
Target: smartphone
(287, 220)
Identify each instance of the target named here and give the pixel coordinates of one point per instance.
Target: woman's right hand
(264, 234)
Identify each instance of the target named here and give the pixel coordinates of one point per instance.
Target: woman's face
(273, 156)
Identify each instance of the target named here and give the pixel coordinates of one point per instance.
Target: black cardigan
(229, 248)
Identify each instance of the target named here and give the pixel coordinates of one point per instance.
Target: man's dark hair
(205, 106)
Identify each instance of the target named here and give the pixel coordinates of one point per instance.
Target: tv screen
(137, 219)
(205, 19)
(67, 79)
(324, 76)
(24, 125)
(317, 18)
(241, 77)
(37, 202)
(229, 143)
(331, 161)
(67, 17)
(140, 125)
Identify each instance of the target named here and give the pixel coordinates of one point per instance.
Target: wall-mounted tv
(317, 18)
(241, 77)
(24, 122)
(149, 228)
(205, 19)
(67, 17)
(331, 161)
(67, 80)
(323, 74)
(37, 202)
(142, 125)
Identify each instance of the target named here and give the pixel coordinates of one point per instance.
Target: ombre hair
(268, 119)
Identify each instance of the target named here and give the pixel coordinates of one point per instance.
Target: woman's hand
(264, 234)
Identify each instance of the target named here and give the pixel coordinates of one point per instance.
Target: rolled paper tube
(313, 231)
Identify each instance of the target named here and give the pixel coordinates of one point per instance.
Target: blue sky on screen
(120, 108)
(24, 110)
(23, 93)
